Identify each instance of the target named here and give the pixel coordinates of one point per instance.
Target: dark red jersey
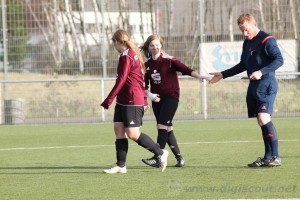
(130, 86)
(162, 75)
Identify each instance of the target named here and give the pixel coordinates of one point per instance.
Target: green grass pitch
(66, 162)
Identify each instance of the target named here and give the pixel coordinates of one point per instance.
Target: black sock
(162, 138)
(172, 142)
(121, 150)
(146, 142)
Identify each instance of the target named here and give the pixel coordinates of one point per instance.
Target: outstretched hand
(217, 76)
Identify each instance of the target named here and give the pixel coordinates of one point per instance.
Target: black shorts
(165, 110)
(131, 116)
(261, 96)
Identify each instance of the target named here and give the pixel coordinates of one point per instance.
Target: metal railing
(78, 100)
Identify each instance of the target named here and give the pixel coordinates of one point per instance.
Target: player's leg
(252, 107)
(270, 133)
(132, 123)
(146, 142)
(162, 134)
(153, 161)
(268, 149)
(164, 112)
(121, 143)
(266, 94)
(270, 136)
(172, 142)
(167, 112)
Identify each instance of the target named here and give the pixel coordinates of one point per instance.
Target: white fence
(78, 100)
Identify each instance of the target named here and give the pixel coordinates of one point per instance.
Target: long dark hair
(145, 47)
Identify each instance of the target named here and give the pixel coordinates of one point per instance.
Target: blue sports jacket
(260, 53)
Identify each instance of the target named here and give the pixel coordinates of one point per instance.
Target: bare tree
(97, 23)
(81, 12)
(170, 9)
(230, 24)
(141, 19)
(221, 17)
(152, 21)
(74, 35)
(292, 6)
(261, 11)
(44, 32)
(196, 26)
(123, 14)
(278, 16)
(205, 27)
(110, 28)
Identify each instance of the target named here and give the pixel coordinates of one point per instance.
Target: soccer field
(66, 162)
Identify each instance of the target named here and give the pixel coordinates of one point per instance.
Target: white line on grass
(54, 147)
(228, 142)
(104, 145)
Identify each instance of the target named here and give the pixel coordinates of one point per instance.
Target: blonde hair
(245, 18)
(145, 47)
(123, 37)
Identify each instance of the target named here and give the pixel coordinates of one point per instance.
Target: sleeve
(147, 81)
(123, 71)
(239, 68)
(180, 67)
(273, 52)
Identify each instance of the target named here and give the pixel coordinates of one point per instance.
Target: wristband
(151, 95)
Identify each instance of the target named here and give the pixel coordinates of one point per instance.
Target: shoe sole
(115, 172)
(156, 166)
(274, 165)
(120, 172)
(263, 166)
(163, 166)
(251, 166)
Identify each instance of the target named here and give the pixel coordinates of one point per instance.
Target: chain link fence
(57, 61)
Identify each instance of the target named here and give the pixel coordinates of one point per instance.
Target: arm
(239, 68)
(180, 67)
(123, 71)
(153, 97)
(273, 52)
(217, 76)
(185, 70)
(198, 76)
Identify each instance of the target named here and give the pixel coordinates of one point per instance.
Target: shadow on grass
(56, 169)
(69, 169)
(144, 169)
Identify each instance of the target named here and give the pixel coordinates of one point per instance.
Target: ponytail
(123, 37)
(132, 46)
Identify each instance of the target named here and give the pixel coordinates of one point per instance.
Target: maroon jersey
(162, 75)
(130, 86)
